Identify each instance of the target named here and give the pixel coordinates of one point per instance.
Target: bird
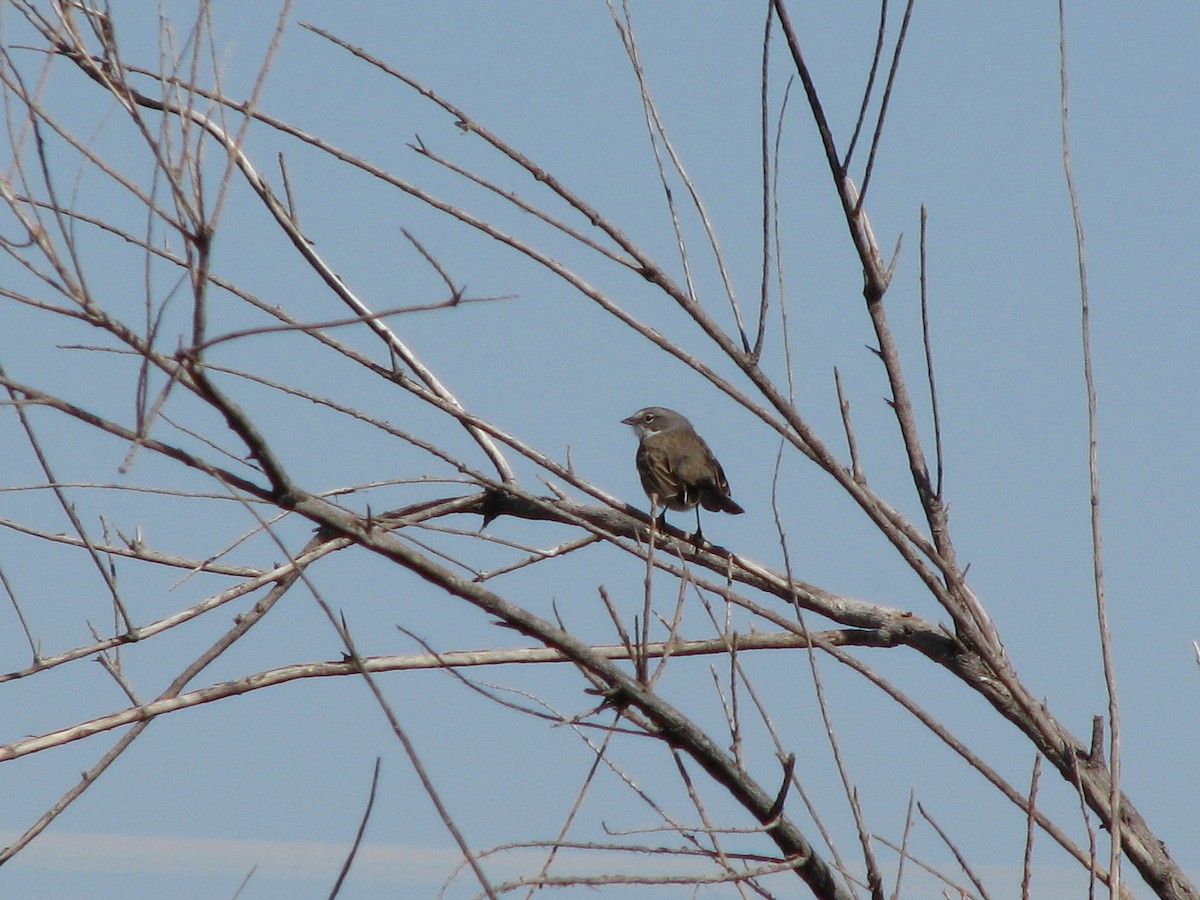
(677, 469)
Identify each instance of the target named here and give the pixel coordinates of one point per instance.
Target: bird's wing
(700, 477)
(659, 479)
(697, 467)
(704, 480)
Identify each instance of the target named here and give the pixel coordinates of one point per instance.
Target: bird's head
(654, 420)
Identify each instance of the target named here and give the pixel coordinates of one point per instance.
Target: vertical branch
(1030, 830)
(869, 89)
(206, 225)
(249, 107)
(641, 664)
(766, 190)
(874, 878)
(883, 106)
(810, 88)
(30, 215)
(933, 399)
(875, 279)
(1110, 679)
(784, 331)
(901, 403)
(658, 132)
(848, 426)
(903, 852)
(875, 274)
(358, 836)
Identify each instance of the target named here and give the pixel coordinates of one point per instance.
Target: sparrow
(677, 469)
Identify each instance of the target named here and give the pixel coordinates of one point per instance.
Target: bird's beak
(628, 421)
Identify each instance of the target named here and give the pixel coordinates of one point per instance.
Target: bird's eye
(648, 418)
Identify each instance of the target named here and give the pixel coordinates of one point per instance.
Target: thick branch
(622, 689)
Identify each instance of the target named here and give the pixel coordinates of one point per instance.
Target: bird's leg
(698, 537)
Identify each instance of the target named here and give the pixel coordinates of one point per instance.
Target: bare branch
(883, 106)
(1110, 677)
(933, 397)
(953, 849)
(358, 836)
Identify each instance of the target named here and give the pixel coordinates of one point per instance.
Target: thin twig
(883, 106)
(962, 862)
(709, 830)
(961, 891)
(933, 396)
(768, 200)
(797, 787)
(1114, 811)
(68, 508)
(874, 878)
(12, 598)
(848, 427)
(641, 664)
(780, 283)
(576, 806)
(1030, 831)
(355, 660)
(358, 835)
(876, 55)
(908, 822)
(658, 132)
(173, 691)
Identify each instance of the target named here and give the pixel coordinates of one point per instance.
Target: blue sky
(277, 779)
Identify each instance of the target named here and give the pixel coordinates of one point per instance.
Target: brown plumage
(677, 468)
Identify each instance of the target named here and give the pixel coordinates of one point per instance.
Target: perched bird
(677, 469)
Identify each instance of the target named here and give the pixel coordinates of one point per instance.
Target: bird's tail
(715, 501)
